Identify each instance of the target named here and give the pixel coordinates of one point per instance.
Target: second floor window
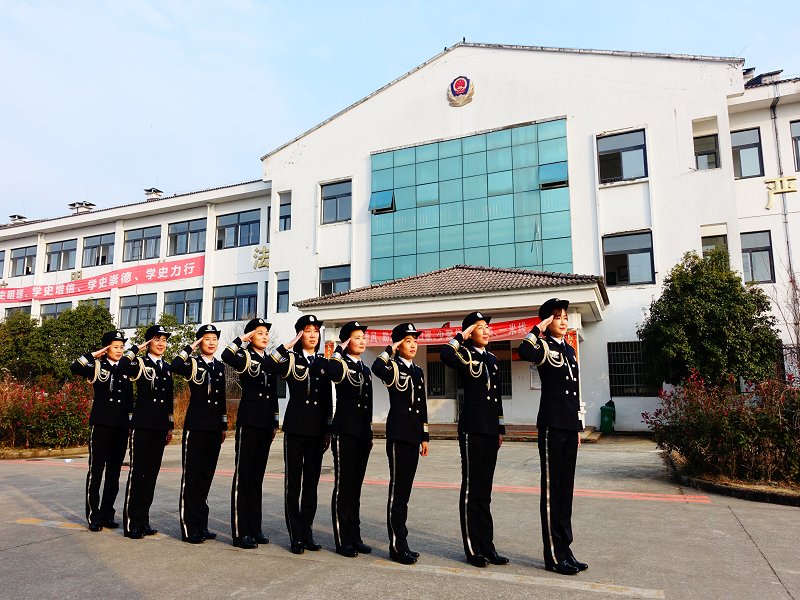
(714, 242)
(235, 302)
(285, 215)
(141, 244)
(283, 292)
(186, 306)
(98, 250)
(336, 202)
(137, 310)
(50, 311)
(334, 279)
(622, 157)
(238, 229)
(61, 255)
(795, 129)
(629, 259)
(23, 261)
(187, 237)
(757, 257)
(2, 263)
(747, 159)
(706, 153)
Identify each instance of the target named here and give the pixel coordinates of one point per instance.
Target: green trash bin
(607, 419)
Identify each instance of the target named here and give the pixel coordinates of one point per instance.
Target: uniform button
(216, 402)
(418, 411)
(495, 399)
(315, 403)
(409, 410)
(307, 402)
(566, 392)
(488, 397)
(209, 401)
(495, 387)
(365, 407)
(359, 406)
(260, 394)
(568, 377)
(162, 402)
(575, 393)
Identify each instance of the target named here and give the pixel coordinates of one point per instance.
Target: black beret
(155, 330)
(402, 330)
(546, 309)
(306, 320)
(257, 323)
(473, 318)
(113, 336)
(348, 328)
(206, 329)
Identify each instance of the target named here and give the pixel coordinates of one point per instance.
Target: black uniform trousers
(478, 460)
(107, 446)
(147, 449)
(302, 461)
(350, 457)
(252, 452)
(403, 459)
(200, 452)
(558, 453)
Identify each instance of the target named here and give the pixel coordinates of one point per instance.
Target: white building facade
(604, 164)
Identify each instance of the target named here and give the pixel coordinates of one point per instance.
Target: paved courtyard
(642, 535)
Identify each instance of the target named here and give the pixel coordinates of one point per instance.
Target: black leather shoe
(494, 558)
(577, 564)
(362, 547)
(347, 551)
(260, 538)
(209, 535)
(135, 534)
(297, 548)
(404, 558)
(477, 561)
(310, 544)
(245, 542)
(194, 538)
(111, 524)
(563, 568)
(95, 527)
(147, 530)
(414, 554)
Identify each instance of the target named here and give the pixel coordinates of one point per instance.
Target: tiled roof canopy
(460, 279)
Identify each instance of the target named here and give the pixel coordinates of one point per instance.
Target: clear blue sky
(113, 97)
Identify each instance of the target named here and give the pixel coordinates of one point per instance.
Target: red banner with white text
(134, 275)
(505, 330)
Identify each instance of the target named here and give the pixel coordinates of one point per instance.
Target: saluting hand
(295, 340)
(196, 344)
(248, 336)
(101, 352)
(468, 331)
(345, 343)
(396, 345)
(543, 325)
(143, 345)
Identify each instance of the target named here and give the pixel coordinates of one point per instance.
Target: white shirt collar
(355, 358)
(208, 360)
(307, 354)
(259, 352)
(555, 340)
(479, 350)
(154, 358)
(405, 362)
(113, 362)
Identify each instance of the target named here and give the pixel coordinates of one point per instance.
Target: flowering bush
(753, 435)
(32, 416)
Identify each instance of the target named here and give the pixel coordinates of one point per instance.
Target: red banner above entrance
(506, 330)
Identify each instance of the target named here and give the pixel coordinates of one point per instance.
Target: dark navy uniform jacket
(310, 407)
(408, 408)
(353, 396)
(482, 411)
(153, 408)
(113, 392)
(207, 407)
(259, 404)
(559, 405)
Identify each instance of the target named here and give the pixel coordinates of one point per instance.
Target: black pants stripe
(350, 457)
(558, 453)
(107, 446)
(302, 460)
(200, 452)
(403, 460)
(252, 452)
(147, 450)
(478, 461)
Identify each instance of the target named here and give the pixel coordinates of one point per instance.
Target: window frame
(60, 256)
(28, 261)
(189, 233)
(705, 252)
(128, 256)
(746, 146)
(752, 250)
(337, 198)
(56, 310)
(98, 254)
(285, 216)
(627, 253)
(795, 144)
(26, 310)
(125, 323)
(281, 277)
(237, 234)
(2, 263)
(641, 388)
(715, 152)
(334, 281)
(237, 297)
(642, 146)
(171, 302)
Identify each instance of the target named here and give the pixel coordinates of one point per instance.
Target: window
(334, 279)
(141, 244)
(629, 259)
(238, 229)
(706, 152)
(61, 255)
(187, 237)
(622, 156)
(336, 199)
(104, 302)
(795, 129)
(502, 351)
(285, 214)
(25, 310)
(186, 306)
(713, 242)
(757, 257)
(283, 292)
(23, 261)
(235, 302)
(266, 299)
(436, 378)
(98, 250)
(50, 311)
(627, 372)
(747, 159)
(2, 262)
(137, 310)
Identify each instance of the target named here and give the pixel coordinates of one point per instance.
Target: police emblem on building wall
(460, 91)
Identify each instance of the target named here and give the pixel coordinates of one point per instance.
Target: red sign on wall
(506, 330)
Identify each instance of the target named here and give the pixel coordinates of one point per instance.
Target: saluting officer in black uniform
(480, 434)
(559, 425)
(256, 426)
(152, 427)
(306, 427)
(204, 430)
(108, 426)
(406, 429)
(352, 437)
